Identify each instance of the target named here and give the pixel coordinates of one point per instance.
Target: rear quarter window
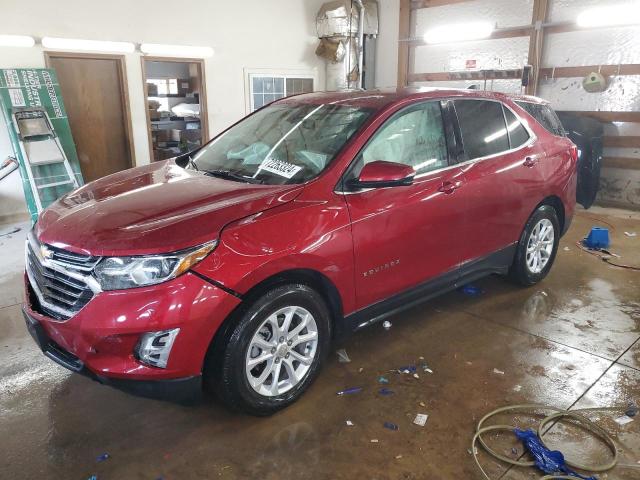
(545, 117)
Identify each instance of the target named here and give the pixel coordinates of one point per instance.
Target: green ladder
(40, 146)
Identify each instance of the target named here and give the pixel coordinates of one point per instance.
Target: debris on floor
(421, 419)
(498, 372)
(566, 249)
(374, 440)
(342, 356)
(623, 420)
(632, 410)
(385, 391)
(631, 234)
(517, 388)
(391, 426)
(407, 369)
(398, 457)
(103, 457)
(471, 290)
(349, 391)
(383, 380)
(387, 324)
(349, 423)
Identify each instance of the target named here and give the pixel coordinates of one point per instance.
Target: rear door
(502, 175)
(406, 235)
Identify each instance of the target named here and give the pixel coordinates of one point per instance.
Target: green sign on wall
(22, 89)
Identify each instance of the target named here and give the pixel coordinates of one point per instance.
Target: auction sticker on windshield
(284, 169)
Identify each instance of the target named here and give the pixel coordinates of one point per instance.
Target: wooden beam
(632, 117)
(403, 47)
(536, 43)
(470, 75)
(621, 162)
(559, 72)
(416, 4)
(621, 142)
(583, 71)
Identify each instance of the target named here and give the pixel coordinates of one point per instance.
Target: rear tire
(273, 352)
(537, 247)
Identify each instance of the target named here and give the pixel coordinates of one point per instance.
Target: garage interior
(571, 342)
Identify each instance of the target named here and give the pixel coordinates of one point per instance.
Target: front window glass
(482, 126)
(282, 143)
(414, 137)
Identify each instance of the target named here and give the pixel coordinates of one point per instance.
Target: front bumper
(99, 341)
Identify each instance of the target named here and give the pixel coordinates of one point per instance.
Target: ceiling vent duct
(342, 27)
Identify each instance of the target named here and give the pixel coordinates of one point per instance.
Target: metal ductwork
(343, 28)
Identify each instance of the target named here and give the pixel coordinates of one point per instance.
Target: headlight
(116, 273)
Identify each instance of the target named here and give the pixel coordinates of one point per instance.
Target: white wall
(592, 47)
(387, 43)
(273, 34)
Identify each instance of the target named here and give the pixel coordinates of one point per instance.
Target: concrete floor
(571, 341)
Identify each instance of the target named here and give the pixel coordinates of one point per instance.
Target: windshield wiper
(231, 176)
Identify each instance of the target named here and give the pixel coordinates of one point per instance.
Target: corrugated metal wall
(606, 46)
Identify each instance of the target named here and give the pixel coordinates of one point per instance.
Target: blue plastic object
(549, 461)
(598, 238)
(349, 391)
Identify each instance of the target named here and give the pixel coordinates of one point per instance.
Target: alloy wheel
(540, 245)
(281, 351)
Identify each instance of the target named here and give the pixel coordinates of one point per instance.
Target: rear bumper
(99, 341)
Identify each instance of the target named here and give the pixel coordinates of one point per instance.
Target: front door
(406, 235)
(94, 94)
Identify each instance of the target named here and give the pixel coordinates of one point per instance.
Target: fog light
(154, 347)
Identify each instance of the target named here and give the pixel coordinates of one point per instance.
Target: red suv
(236, 265)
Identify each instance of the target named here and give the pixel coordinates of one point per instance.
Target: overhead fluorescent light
(176, 50)
(16, 41)
(459, 32)
(88, 45)
(625, 14)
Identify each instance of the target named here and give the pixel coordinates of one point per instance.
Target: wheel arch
(311, 278)
(555, 202)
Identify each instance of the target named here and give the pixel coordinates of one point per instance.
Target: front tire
(537, 247)
(273, 352)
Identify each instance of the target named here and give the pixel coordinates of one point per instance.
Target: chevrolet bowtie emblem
(45, 252)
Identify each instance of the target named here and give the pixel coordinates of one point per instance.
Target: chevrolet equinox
(234, 266)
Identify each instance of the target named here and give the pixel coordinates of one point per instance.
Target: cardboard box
(152, 89)
(183, 87)
(154, 115)
(175, 134)
(163, 135)
(193, 135)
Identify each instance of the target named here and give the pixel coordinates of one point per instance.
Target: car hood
(156, 208)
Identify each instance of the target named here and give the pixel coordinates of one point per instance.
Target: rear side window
(518, 135)
(545, 117)
(482, 126)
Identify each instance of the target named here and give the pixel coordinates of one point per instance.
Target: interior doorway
(94, 89)
(176, 105)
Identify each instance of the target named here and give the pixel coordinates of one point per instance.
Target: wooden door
(95, 97)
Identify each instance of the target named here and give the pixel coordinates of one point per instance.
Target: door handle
(530, 162)
(449, 187)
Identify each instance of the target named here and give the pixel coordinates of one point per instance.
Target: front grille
(60, 283)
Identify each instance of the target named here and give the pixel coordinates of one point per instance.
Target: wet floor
(571, 341)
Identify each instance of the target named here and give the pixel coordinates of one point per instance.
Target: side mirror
(380, 174)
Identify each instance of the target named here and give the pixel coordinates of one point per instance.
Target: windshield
(282, 143)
